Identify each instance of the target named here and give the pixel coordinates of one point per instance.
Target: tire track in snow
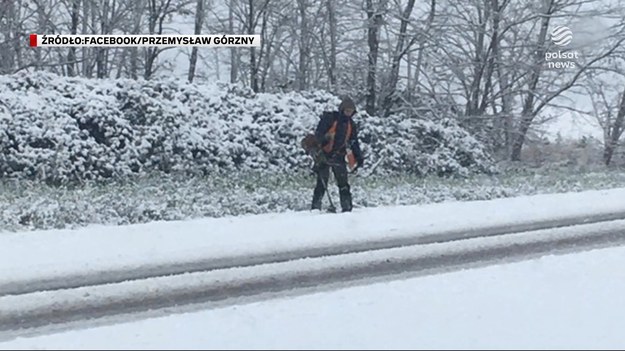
(39, 309)
(59, 282)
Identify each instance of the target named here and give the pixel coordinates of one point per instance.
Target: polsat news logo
(118, 40)
(561, 36)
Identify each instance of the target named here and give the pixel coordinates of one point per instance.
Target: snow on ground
(40, 254)
(573, 301)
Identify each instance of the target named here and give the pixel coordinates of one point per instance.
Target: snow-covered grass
(28, 205)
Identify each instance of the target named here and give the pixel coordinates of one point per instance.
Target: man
(336, 133)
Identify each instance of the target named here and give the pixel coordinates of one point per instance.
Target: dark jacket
(339, 147)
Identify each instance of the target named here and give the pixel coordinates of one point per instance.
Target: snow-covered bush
(62, 129)
(423, 147)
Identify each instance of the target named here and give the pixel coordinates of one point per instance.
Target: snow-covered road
(556, 302)
(68, 275)
(40, 308)
(66, 280)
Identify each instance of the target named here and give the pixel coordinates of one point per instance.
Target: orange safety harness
(349, 157)
(332, 133)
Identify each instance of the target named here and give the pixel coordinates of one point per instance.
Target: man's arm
(322, 128)
(355, 145)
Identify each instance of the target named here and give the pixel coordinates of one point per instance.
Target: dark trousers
(340, 174)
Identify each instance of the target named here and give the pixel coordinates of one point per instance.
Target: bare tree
(374, 22)
(102, 17)
(274, 34)
(614, 131)
(538, 95)
(44, 24)
(333, 39)
(158, 11)
(608, 107)
(106, 19)
(137, 17)
(199, 19)
(234, 57)
(489, 55)
(251, 26)
(8, 18)
(253, 15)
(527, 115)
(422, 42)
(304, 45)
(86, 68)
(71, 56)
(401, 47)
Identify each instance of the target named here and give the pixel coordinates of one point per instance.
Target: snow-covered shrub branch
(64, 130)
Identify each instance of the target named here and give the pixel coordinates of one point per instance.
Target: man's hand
(360, 162)
(310, 144)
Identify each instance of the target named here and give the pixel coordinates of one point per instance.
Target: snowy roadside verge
(27, 206)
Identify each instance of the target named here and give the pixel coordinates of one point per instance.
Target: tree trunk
(86, 52)
(253, 63)
(303, 46)
(157, 14)
(615, 132)
(608, 152)
(101, 52)
(400, 50)
(149, 55)
(42, 27)
(7, 52)
(71, 56)
(266, 51)
(136, 27)
(199, 20)
(18, 30)
(234, 54)
(478, 64)
(374, 21)
(506, 107)
(527, 114)
(333, 39)
(417, 73)
(493, 53)
(120, 56)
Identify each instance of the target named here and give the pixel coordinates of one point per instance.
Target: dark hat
(347, 102)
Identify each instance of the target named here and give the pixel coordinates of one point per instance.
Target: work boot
(315, 206)
(346, 199)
